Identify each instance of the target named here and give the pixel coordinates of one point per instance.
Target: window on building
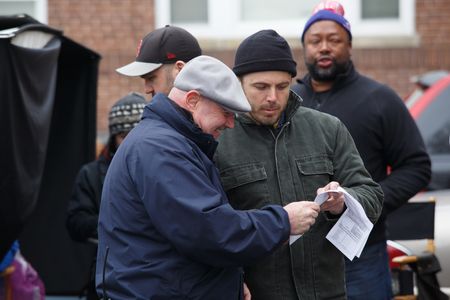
(380, 9)
(257, 11)
(34, 8)
(235, 19)
(192, 11)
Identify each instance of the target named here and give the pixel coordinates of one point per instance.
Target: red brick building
(113, 28)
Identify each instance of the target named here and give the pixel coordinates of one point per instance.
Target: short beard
(327, 75)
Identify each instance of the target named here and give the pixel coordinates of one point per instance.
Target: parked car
(429, 104)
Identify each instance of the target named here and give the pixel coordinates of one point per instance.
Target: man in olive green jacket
(281, 152)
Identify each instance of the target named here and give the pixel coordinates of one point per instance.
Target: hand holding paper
(351, 231)
(334, 203)
(302, 215)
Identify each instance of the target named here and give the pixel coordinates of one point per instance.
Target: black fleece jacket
(384, 132)
(84, 204)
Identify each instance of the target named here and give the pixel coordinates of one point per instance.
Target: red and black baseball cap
(164, 45)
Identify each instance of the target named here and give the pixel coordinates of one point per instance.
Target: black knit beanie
(265, 50)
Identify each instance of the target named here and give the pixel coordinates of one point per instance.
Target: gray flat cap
(215, 81)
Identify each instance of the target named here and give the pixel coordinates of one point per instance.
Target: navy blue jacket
(166, 220)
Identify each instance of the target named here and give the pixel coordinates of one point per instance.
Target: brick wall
(113, 28)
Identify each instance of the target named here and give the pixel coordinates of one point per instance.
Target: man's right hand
(302, 215)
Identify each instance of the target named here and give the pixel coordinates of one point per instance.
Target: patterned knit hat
(126, 113)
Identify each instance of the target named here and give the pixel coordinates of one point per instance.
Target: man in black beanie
(281, 152)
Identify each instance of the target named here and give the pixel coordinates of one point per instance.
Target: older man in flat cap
(166, 229)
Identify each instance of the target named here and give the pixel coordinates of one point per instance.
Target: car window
(434, 124)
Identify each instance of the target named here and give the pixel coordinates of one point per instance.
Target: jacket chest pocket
(315, 172)
(246, 185)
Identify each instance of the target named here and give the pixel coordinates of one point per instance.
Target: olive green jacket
(260, 165)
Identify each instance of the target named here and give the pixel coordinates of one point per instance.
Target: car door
(432, 115)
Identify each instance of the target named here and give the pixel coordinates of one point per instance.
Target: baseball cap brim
(137, 68)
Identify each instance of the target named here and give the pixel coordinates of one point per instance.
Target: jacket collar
(180, 120)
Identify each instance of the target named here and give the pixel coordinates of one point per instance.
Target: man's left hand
(335, 202)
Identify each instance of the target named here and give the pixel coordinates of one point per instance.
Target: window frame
(40, 9)
(219, 27)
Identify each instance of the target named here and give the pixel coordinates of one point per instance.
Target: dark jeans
(369, 277)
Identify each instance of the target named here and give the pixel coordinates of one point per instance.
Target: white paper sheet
(351, 231)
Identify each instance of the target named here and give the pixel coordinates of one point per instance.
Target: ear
(192, 98)
(179, 64)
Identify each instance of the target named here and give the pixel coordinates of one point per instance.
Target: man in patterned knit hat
(83, 207)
